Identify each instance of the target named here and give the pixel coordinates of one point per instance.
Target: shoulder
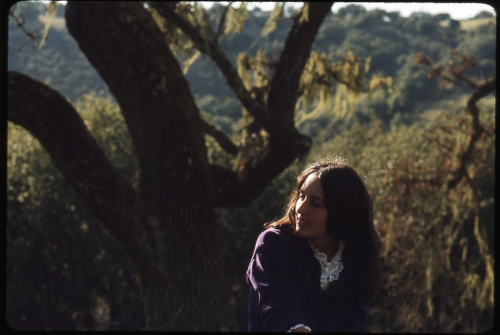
(275, 239)
(274, 244)
(272, 236)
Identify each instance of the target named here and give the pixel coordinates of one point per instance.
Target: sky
(457, 11)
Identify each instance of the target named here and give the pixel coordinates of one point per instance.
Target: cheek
(323, 219)
(297, 205)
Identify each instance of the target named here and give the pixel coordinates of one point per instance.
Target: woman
(316, 268)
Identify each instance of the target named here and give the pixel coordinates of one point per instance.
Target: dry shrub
(437, 262)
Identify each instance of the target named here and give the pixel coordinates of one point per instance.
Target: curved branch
(467, 81)
(56, 124)
(239, 188)
(253, 172)
(21, 24)
(152, 92)
(222, 22)
(438, 71)
(213, 50)
(482, 91)
(284, 86)
(221, 137)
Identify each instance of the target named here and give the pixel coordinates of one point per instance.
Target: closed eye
(316, 201)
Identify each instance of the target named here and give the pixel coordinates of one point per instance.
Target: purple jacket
(284, 280)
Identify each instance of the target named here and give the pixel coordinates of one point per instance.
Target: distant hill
(473, 24)
(390, 39)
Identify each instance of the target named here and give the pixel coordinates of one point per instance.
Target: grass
(474, 23)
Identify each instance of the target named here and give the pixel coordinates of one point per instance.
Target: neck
(326, 245)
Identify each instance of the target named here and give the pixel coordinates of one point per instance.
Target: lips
(301, 223)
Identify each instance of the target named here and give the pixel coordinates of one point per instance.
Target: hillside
(391, 40)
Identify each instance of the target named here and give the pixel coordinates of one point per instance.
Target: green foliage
(59, 63)
(483, 14)
(481, 42)
(435, 276)
(105, 121)
(274, 18)
(64, 270)
(389, 39)
(236, 19)
(48, 228)
(351, 11)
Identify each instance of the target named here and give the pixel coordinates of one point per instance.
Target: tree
(164, 218)
(483, 14)
(455, 72)
(351, 11)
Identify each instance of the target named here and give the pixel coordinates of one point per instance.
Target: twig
(20, 23)
(220, 136)
(222, 22)
(212, 49)
(472, 108)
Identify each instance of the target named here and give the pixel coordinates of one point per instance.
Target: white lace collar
(329, 270)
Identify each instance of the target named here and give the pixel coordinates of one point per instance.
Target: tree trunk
(183, 285)
(175, 250)
(166, 222)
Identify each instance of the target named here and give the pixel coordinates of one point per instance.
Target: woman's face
(310, 211)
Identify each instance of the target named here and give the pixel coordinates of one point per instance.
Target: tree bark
(183, 285)
(166, 221)
(213, 50)
(251, 174)
(55, 123)
(476, 128)
(167, 224)
(284, 89)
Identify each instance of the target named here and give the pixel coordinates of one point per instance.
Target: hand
(301, 330)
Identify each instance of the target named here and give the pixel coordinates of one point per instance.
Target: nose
(301, 207)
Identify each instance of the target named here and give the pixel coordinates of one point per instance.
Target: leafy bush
(64, 270)
(437, 261)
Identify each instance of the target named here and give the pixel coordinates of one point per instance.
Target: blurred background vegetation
(438, 242)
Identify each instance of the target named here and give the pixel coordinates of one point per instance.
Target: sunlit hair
(349, 210)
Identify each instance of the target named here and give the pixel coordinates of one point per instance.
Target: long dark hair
(349, 208)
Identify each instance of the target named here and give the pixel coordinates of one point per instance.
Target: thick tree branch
(55, 123)
(154, 96)
(283, 93)
(212, 49)
(467, 81)
(254, 171)
(482, 91)
(221, 137)
(239, 188)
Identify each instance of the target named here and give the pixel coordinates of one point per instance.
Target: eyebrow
(312, 196)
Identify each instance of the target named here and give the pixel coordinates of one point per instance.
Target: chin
(300, 232)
